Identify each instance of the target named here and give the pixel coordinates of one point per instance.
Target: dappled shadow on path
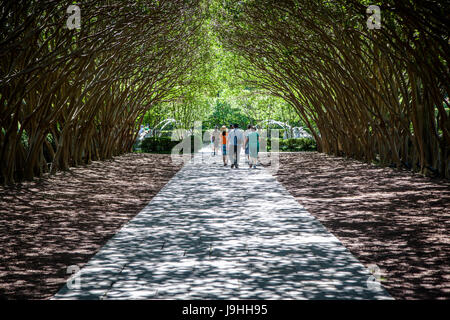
(48, 225)
(218, 234)
(394, 219)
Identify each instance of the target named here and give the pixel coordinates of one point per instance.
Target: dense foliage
(375, 95)
(293, 144)
(72, 96)
(158, 144)
(165, 144)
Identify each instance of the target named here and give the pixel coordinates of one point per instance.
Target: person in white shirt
(235, 142)
(215, 140)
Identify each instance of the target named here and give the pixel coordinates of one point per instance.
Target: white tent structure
(289, 132)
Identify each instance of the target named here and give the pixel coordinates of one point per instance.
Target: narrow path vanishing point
(217, 233)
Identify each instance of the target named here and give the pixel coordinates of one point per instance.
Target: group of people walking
(232, 140)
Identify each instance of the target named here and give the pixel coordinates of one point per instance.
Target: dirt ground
(395, 219)
(48, 225)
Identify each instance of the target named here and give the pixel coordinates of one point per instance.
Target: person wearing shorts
(224, 136)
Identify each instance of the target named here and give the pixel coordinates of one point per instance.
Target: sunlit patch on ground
(220, 233)
(395, 219)
(49, 225)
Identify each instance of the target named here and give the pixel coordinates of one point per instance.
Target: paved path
(217, 233)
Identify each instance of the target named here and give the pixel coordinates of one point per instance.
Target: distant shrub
(165, 144)
(158, 144)
(294, 144)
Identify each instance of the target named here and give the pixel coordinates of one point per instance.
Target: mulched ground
(392, 218)
(48, 225)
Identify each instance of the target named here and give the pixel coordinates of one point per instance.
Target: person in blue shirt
(252, 142)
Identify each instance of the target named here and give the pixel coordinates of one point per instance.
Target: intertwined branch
(373, 94)
(68, 97)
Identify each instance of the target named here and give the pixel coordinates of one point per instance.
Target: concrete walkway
(217, 233)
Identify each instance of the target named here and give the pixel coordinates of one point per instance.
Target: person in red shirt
(224, 136)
